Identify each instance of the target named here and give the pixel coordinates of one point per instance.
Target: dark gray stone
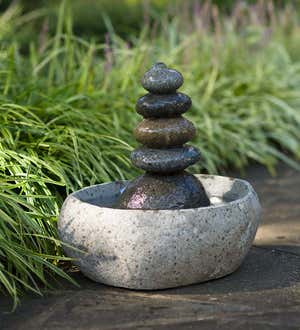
(168, 105)
(161, 80)
(164, 132)
(165, 160)
(157, 192)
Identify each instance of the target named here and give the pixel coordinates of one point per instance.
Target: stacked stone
(164, 155)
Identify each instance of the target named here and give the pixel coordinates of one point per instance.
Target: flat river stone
(161, 80)
(157, 192)
(164, 132)
(167, 105)
(165, 160)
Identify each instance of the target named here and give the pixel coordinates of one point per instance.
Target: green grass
(67, 113)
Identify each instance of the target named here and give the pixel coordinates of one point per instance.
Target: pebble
(166, 105)
(165, 160)
(164, 132)
(161, 80)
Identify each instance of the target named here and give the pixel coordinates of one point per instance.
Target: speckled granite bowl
(157, 249)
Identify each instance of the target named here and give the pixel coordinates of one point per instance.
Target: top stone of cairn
(162, 80)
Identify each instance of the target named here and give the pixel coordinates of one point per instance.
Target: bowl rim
(249, 193)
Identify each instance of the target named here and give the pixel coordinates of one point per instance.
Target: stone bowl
(158, 249)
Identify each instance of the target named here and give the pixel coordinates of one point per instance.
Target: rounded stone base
(164, 192)
(157, 249)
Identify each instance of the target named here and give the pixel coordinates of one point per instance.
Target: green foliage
(67, 113)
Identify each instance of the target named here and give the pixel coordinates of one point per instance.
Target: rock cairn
(164, 155)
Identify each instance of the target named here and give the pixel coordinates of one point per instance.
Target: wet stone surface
(164, 132)
(163, 128)
(161, 80)
(170, 105)
(177, 191)
(165, 160)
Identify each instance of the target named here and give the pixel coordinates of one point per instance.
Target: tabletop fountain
(166, 228)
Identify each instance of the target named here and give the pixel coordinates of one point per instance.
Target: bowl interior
(219, 189)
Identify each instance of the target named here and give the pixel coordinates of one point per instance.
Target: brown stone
(164, 132)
